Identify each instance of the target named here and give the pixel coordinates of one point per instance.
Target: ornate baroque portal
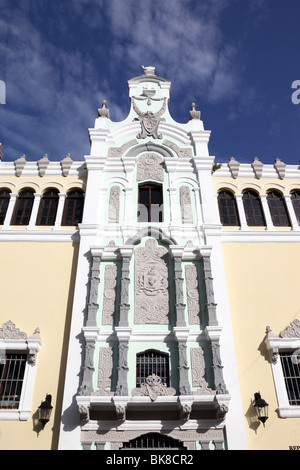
(151, 284)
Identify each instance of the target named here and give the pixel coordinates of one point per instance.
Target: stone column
(59, 213)
(209, 289)
(86, 445)
(213, 334)
(10, 210)
(92, 307)
(34, 212)
(204, 445)
(265, 206)
(241, 211)
(123, 335)
(177, 253)
(86, 387)
(184, 383)
(100, 445)
(126, 253)
(291, 212)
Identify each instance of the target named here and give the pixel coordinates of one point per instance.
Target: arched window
(4, 201)
(152, 362)
(23, 207)
(150, 203)
(48, 208)
(153, 440)
(73, 208)
(295, 196)
(253, 209)
(228, 208)
(278, 209)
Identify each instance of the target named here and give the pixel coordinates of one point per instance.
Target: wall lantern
(261, 408)
(45, 410)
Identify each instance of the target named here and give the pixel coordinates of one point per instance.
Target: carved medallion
(149, 120)
(153, 388)
(150, 166)
(151, 284)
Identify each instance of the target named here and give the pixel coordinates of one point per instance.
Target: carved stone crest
(149, 120)
(150, 166)
(9, 331)
(151, 284)
(153, 388)
(292, 331)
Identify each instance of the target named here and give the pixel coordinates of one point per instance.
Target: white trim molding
(287, 340)
(14, 340)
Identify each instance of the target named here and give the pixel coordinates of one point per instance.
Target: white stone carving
(181, 152)
(151, 284)
(118, 151)
(153, 388)
(234, 166)
(43, 164)
(117, 436)
(150, 166)
(109, 299)
(185, 205)
(198, 372)
(292, 331)
(9, 331)
(114, 205)
(192, 291)
(105, 372)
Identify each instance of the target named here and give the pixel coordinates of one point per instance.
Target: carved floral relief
(192, 291)
(150, 166)
(109, 299)
(114, 205)
(151, 284)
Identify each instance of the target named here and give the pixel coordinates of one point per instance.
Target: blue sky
(236, 59)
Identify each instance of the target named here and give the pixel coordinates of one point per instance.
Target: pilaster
(126, 254)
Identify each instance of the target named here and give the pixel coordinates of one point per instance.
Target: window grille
(4, 201)
(23, 208)
(150, 203)
(152, 362)
(228, 209)
(12, 368)
(278, 209)
(295, 196)
(291, 371)
(253, 209)
(48, 208)
(73, 208)
(153, 441)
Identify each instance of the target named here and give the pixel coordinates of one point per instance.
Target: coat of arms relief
(151, 284)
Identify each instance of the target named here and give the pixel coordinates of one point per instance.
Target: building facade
(140, 290)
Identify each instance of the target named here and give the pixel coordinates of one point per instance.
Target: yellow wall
(263, 288)
(36, 286)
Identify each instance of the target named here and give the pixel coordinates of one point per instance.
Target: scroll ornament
(149, 120)
(153, 388)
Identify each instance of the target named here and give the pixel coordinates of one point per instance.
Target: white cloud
(58, 68)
